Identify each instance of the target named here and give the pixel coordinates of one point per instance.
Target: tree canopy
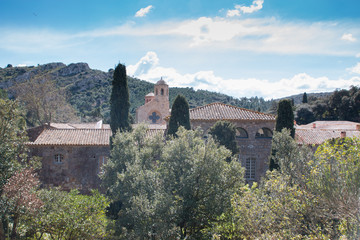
(225, 133)
(180, 115)
(171, 190)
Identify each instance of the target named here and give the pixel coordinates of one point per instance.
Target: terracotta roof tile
(319, 136)
(221, 111)
(74, 137)
(79, 137)
(334, 125)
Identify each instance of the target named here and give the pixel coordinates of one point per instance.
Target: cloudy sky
(243, 48)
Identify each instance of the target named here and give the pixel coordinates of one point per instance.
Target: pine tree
(180, 115)
(119, 101)
(305, 100)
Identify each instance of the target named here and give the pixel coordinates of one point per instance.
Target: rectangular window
(58, 158)
(250, 166)
(102, 161)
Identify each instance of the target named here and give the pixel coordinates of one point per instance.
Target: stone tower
(156, 106)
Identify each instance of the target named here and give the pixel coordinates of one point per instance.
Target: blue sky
(267, 48)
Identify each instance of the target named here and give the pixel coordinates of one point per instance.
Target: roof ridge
(236, 107)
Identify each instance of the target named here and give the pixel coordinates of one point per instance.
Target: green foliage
(285, 117)
(276, 209)
(225, 133)
(12, 139)
(68, 215)
(171, 190)
(180, 115)
(304, 115)
(119, 101)
(313, 196)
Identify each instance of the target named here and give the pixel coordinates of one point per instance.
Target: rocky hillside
(89, 90)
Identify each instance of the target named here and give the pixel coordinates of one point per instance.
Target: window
(154, 117)
(101, 163)
(250, 166)
(264, 133)
(58, 158)
(162, 92)
(241, 133)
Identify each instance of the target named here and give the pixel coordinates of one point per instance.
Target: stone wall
(258, 148)
(78, 169)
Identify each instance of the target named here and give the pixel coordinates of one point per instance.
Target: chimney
(314, 125)
(343, 134)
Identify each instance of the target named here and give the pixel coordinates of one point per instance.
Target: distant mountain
(89, 90)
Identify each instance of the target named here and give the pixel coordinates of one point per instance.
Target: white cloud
(233, 13)
(348, 37)
(239, 87)
(355, 69)
(255, 6)
(143, 11)
(149, 61)
(357, 55)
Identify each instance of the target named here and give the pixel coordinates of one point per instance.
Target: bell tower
(156, 106)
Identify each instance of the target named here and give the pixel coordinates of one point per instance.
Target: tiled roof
(73, 137)
(319, 136)
(221, 111)
(334, 125)
(94, 125)
(80, 137)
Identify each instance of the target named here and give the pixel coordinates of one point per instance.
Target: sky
(242, 48)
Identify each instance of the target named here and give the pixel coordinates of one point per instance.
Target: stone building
(253, 133)
(72, 154)
(156, 106)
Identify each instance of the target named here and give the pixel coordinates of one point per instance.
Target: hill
(88, 89)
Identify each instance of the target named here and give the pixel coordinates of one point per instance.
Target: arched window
(58, 158)
(241, 133)
(264, 133)
(162, 92)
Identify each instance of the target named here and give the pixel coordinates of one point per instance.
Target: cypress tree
(180, 115)
(305, 100)
(285, 117)
(119, 101)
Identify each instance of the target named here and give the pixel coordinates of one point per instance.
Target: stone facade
(254, 141)
(156, 106)
(71, 166)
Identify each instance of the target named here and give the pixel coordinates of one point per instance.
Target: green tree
(225, 133)
(171, 190)
(180, 115)
(12, 156)
(285, 117)
(305, 99)
(304, 116)
(68, 215)
(119, 101)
